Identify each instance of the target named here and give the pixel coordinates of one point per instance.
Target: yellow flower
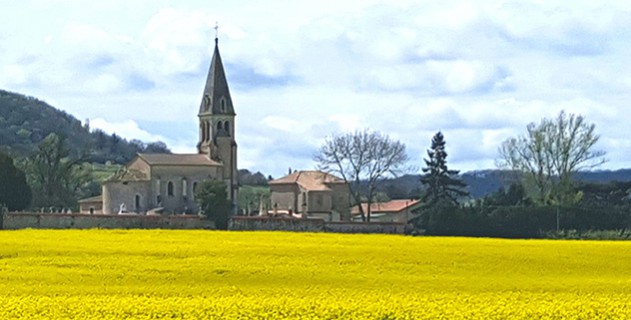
(151, 274)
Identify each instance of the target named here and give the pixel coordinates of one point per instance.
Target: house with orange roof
(399, 210)
(310, 194)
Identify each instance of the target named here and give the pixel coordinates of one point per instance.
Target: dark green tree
(212, 197)
(56, 178)
(15, 193)
(441, 187)
(441, 184)
(515, 195)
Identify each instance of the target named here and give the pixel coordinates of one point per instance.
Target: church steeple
(217, 123)
(216, 98)
(216, 112)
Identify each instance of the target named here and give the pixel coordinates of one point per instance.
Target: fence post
(558, 220)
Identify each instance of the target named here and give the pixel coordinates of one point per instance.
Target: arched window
(184, 187)
(208, 128)
(170, 189)
(137, 203)
(219, 126)
(227, 127)
(194, 187)
(222, 104)
(206, 102)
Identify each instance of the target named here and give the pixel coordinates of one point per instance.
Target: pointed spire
(216, 97)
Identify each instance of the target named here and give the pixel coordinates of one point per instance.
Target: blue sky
(302, 71)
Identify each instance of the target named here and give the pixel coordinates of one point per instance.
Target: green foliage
(523, 222)
(100, 172)
(247, 178)
(549, 156)
(442, 185)
(605, 194)
(212, 196)
(15, 193)
(56, 178)
(622, 234)
(252, 198)
(25, 122)
(515, 195)
(442, 188)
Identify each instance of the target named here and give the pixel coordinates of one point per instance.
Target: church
(167, 182)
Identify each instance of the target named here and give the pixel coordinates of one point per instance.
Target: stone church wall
(180, 200)
(12, 221)
(116, 194)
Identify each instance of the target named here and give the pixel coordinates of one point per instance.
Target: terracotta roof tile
(126, 174)
(392, 206)
(310, 180)
(98, 198)
(178, 159)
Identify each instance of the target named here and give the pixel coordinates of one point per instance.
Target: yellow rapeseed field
(155, 274)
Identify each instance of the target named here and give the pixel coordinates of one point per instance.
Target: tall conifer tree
(442, 185)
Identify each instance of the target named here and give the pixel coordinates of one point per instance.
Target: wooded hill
(484, 182)
(25, 121)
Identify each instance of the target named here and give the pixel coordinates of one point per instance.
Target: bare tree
(362, 157)
(550, 154)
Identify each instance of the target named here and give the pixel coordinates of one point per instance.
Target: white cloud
(13, 75)
(479, 71)
(104, 83)
(128, 129)
(283, 124)
(178, 39)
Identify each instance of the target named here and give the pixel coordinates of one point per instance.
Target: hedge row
(521, 222)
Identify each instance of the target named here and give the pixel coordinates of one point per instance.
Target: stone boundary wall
(244, 223)
(18, 220)
(364, 227)
(313, 225)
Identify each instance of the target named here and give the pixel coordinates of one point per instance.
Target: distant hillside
(484, 182)
(247, 178)
(26, 121)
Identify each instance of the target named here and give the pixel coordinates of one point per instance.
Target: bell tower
(217, 123)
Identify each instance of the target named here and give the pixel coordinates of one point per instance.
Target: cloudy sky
(300, 71)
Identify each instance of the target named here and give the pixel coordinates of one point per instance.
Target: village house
(310, 194)
(391, 211)
(92, 205)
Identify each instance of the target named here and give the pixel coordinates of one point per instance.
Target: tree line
(542, 163)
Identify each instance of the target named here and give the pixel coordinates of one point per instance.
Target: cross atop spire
(216, 31)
